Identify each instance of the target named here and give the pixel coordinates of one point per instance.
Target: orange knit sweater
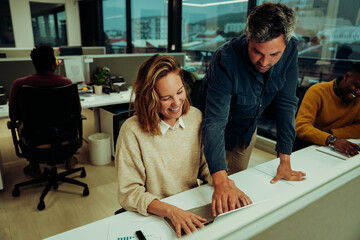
(322, 110)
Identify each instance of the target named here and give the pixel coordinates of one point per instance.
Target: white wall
(22, 27)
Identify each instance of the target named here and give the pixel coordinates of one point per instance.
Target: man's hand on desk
(226, 195)
(348, 148)
(284, 171)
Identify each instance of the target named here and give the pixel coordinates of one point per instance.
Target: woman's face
(172, 96)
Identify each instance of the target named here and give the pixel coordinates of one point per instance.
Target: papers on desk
(236, 210)
(153, 229)
(310, 161)
(331, 151)
(205, 212)
(87, 97)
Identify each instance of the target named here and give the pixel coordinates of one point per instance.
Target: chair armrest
(12, 125)
(121, 210)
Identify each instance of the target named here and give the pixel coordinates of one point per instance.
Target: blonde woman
(159, 150)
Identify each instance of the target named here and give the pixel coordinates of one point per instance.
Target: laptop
(205, 212)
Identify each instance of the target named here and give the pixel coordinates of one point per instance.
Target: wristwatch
(331, 139)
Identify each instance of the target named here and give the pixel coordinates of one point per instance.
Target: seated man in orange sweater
(330, 113)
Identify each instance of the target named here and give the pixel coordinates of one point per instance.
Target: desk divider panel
(125, 65)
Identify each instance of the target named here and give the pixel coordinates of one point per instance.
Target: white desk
(4, 113)
(87, 101)
(325, 175)
(95, 101)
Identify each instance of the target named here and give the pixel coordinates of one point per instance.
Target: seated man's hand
(284, 171)
(226, 196)
(348, 148)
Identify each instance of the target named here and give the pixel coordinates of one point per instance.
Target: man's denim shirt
(233, 96)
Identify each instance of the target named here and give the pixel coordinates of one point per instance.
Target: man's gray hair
(269, 20)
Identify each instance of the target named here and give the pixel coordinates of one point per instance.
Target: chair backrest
(51, 115)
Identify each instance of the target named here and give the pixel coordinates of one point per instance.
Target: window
(114, 14)
(6, 31)
(49, 23)
(149, 26)
(329, 36)
(206, 25)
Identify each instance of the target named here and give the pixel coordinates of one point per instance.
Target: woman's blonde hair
(146, 104)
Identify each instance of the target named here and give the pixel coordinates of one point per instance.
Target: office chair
(51, 133)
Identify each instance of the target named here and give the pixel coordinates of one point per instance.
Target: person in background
(244, 76)
(44, 62)
(159, 150)
(330, 113)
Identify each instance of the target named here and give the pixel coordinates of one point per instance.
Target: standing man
(44, 62)
(330, 113)
(244, 76)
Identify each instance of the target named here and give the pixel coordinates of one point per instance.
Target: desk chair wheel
(41, 205)
(86, 191)
(83, 174)
(16, 192)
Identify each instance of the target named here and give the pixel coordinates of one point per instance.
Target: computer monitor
(74, 68)
(68, 51)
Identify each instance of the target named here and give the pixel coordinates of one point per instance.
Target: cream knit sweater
(156, 166)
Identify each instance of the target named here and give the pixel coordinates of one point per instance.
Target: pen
(140, 235)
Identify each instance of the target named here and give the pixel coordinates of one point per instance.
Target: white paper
(236, 210)
(152, 230)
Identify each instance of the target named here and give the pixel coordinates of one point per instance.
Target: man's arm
(218, 97)
(349, 131)
(216, 112)
(286, 105)
(306, 118)
(226, 196)
(14, 101)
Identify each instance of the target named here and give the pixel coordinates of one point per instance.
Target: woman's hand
(183, 220)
